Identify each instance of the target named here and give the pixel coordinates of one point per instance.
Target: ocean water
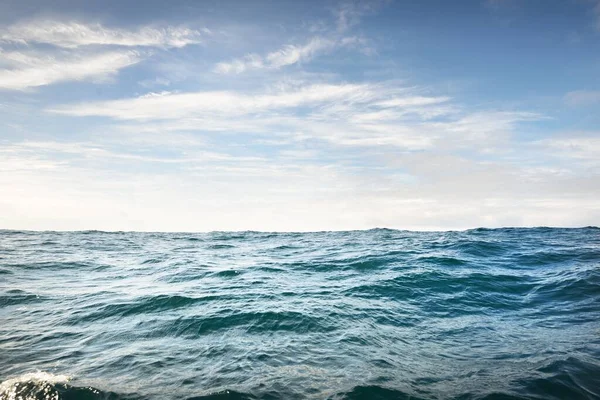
(378, 314)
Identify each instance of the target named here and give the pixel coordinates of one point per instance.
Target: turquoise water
(378, 314)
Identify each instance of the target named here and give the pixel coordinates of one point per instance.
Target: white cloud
(78, 51)
(349, 13)
(481, 124)
(292, 54)
(41, 155)
(32, 69)
(358, 115)
(168, 105)
(326, 155)
(251, 61)
(446, 192)
(345, 114)
(75, 34)
(412, 101)
(287, 55)
(387, 183)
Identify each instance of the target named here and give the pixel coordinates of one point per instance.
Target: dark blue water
(379, 314)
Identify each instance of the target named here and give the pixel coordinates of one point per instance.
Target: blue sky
(295, 116)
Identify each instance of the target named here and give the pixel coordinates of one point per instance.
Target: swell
(480, 248)
(568, 286)
(42, 389)
(144, 305)
(42, 266)
(481, 314)
(570, 378)
(412, 285)
(257, 322)
(13, 297)
(554, 257)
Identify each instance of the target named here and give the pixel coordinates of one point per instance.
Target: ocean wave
(33, 385)
(381, 314)
(145, 305)
(15, 297)
(248, 322)
(570, 378)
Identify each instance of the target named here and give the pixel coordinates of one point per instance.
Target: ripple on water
(381, 314)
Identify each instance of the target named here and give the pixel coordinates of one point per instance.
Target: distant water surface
(378, 314)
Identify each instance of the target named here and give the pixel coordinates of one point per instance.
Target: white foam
(38, 377)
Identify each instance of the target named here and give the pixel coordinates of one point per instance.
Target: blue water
(378, 314)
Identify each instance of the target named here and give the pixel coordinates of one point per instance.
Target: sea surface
(378, 314)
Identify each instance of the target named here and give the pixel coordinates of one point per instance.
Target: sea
(510, 313)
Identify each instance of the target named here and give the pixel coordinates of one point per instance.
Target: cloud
(349, 115)
(34, 69)
(75, 34)
(287, 55)
(169, 105)
(413, 101)
(344, 114)
(323, 149)
(349, 13)
(582, 98)
(370, 152)
(237, 66)
(48, 51)
(420, 191)
(41, 155)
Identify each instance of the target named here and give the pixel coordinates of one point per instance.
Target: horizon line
(296, 232)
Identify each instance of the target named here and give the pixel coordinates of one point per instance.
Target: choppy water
(379, 314)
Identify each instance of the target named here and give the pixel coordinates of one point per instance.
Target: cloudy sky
(295, 116)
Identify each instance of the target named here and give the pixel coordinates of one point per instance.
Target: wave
(17, 296)
(144, 305)
(246, 322)
(382, 314)
(33, 385)
(562, 385)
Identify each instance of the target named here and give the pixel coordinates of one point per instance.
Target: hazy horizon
(308, 232)
(299, 116)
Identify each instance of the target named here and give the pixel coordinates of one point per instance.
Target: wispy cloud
(432, 192)
(364, 115)
(32, 69)
(43, 152)
(412, 101)
(349, 13)
(385, 140)
(287, 55)
(168, 105)
(48, 51)
(341, 114)
(75, 34)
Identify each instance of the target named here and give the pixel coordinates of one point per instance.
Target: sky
(299, 115)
